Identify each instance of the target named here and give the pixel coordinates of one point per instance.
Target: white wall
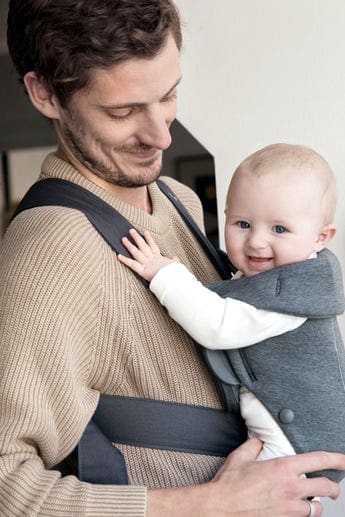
(25, 167)
(258, 72)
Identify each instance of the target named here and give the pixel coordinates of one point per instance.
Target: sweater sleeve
(50, 302)
(215, 322)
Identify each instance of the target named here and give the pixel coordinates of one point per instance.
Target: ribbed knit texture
(76, 323)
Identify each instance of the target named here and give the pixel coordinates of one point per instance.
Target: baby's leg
(261, 424)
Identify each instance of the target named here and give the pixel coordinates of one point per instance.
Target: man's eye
(279, 229)
(122, 114)
(243, 224)
(171, 97)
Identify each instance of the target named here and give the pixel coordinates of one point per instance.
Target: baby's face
(271, 221)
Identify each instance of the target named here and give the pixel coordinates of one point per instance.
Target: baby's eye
(243, 224)
(279, 229)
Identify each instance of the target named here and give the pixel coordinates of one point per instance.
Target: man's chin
(140, 179)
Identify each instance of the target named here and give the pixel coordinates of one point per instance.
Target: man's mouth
(144, 154)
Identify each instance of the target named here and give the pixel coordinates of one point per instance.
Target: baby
(279, 210)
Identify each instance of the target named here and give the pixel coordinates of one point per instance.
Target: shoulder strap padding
(53, 191)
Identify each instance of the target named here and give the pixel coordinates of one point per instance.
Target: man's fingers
(246, 452)
(314, 461)
(293, 467)
(313, 508)
(319, 487)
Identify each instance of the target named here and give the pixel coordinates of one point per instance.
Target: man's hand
(245, 487)
(147, 259)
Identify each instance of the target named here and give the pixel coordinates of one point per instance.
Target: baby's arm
(214, 322)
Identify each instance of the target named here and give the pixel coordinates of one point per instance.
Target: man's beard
(109, 171)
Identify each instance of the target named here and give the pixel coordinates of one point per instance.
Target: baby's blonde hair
(294, 162)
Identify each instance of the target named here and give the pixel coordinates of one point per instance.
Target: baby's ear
(324, 236)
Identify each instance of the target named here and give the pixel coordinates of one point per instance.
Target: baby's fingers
(138, 240)
(147, 244)
(151, 243)
(134, 265)
(137, 253)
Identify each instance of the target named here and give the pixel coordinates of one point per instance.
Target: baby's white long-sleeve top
(212, 321)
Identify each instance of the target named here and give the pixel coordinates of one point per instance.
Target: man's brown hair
(62, 40)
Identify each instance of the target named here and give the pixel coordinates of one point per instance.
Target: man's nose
(155, 131)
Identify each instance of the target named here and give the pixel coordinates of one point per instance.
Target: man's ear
(42, 100)
(325, 235)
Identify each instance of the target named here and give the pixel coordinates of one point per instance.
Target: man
(75, 322)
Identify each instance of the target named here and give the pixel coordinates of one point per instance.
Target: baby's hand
(147, 259)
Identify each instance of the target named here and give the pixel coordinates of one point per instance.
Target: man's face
(119, 126)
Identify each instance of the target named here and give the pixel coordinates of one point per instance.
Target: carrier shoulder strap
(109, 223)
(54, 191)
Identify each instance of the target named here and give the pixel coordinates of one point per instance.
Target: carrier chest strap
(168, 425)
(152, 424)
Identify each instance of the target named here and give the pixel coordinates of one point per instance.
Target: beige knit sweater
(76, 323)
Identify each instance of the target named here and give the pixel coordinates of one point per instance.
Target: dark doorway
(190, 162)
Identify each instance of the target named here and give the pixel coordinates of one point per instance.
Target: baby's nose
(257, 240)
